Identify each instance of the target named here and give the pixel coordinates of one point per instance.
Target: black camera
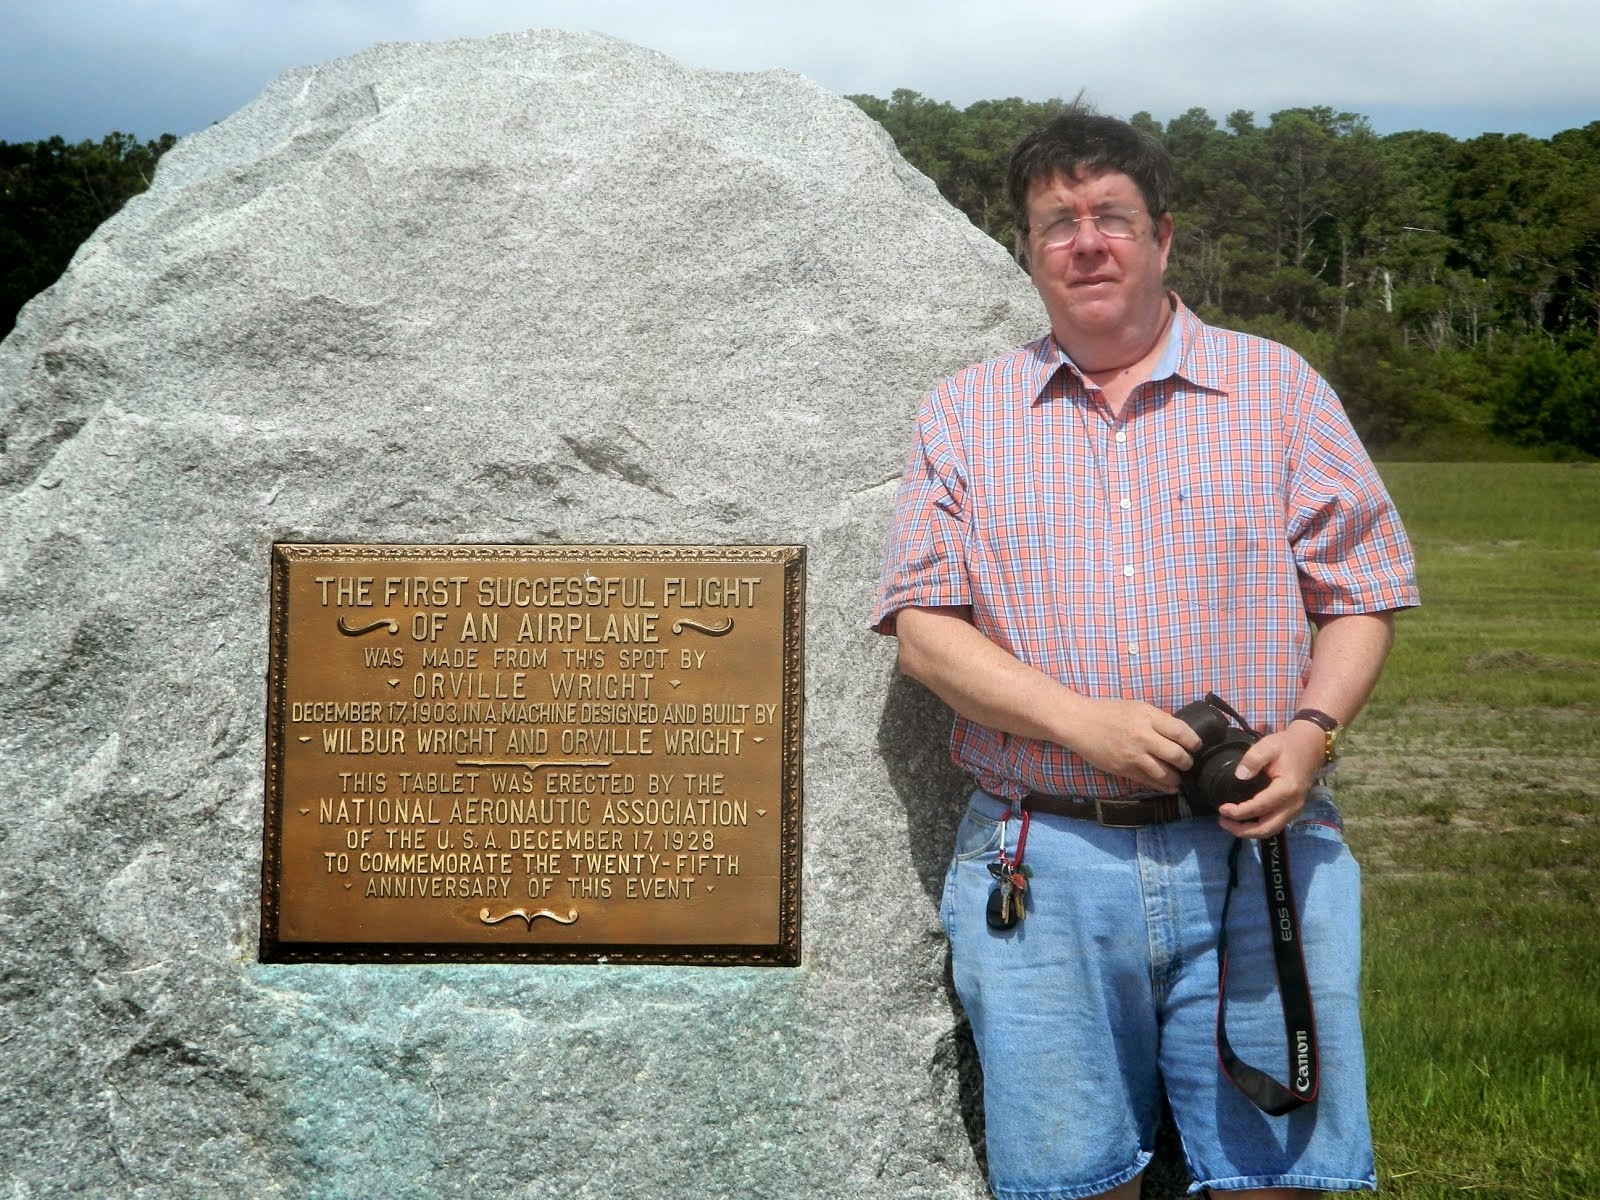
(1210, 782)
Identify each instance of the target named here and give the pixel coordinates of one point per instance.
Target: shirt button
(1127, 572)
(1133, 649)
(1122, 435)
(1124, 504)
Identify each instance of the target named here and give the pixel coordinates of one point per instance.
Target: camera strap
(1294, 992)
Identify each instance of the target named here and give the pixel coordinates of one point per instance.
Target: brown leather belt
(1116, 814)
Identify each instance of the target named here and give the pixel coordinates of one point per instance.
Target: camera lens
(1210, 782)
(1215, 784)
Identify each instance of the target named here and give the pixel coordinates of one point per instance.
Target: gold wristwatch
(1331, 729)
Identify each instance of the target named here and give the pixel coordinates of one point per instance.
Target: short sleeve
(1350, 547)
(925, 564)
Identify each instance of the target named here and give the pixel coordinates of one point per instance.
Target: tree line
(53, 195)
(1449, 289)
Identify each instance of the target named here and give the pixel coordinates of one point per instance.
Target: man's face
(1095, 286)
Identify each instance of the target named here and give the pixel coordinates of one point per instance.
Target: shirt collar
(1184, 355)
(1167, 364)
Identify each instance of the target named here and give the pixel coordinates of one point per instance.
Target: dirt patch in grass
(1526, 661)
(1491, 779)
(1466, 791)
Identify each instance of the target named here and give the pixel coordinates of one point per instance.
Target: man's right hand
(1132, 740)
(984, 683)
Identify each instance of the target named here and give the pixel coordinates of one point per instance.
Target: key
(1004, 909)
(998, 912)
(1019, 884)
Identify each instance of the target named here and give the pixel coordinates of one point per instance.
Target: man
(1092, 532)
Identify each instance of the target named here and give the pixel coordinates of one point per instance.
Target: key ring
(1006, 908)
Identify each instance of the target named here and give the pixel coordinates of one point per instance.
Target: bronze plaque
(542, 753)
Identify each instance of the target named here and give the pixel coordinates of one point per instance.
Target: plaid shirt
(1155, 556)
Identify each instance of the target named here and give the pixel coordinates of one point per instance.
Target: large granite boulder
(537, 288)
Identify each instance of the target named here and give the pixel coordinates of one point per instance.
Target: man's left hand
(1290, 758)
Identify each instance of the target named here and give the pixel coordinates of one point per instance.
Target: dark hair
(1078, 139)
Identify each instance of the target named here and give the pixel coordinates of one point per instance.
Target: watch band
(1330, 730)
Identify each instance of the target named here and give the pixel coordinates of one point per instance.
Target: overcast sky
(81, 68)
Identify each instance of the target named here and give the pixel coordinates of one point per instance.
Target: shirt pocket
(1221, 548)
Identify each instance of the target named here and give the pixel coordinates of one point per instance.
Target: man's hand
(1291, 759)
(1346, 657)
(941, 648)
(1134, 741)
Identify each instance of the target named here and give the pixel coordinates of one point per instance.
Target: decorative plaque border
(299, 646)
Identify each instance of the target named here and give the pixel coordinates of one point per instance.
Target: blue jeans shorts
(1105, 996)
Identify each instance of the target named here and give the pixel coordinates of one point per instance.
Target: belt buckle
(1101, 818)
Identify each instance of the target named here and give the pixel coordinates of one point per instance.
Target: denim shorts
(1105, 997)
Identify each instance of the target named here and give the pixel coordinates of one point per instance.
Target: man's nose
(1089, 238)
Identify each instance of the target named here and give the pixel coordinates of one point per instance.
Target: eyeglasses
(1064, 230)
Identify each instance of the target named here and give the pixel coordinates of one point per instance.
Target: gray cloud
(84, 67)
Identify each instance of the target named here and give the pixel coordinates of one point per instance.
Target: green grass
(1508, 556)
(1474, 805)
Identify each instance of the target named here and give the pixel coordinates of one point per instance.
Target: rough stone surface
(533, 288)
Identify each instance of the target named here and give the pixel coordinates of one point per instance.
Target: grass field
(1472, 791)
